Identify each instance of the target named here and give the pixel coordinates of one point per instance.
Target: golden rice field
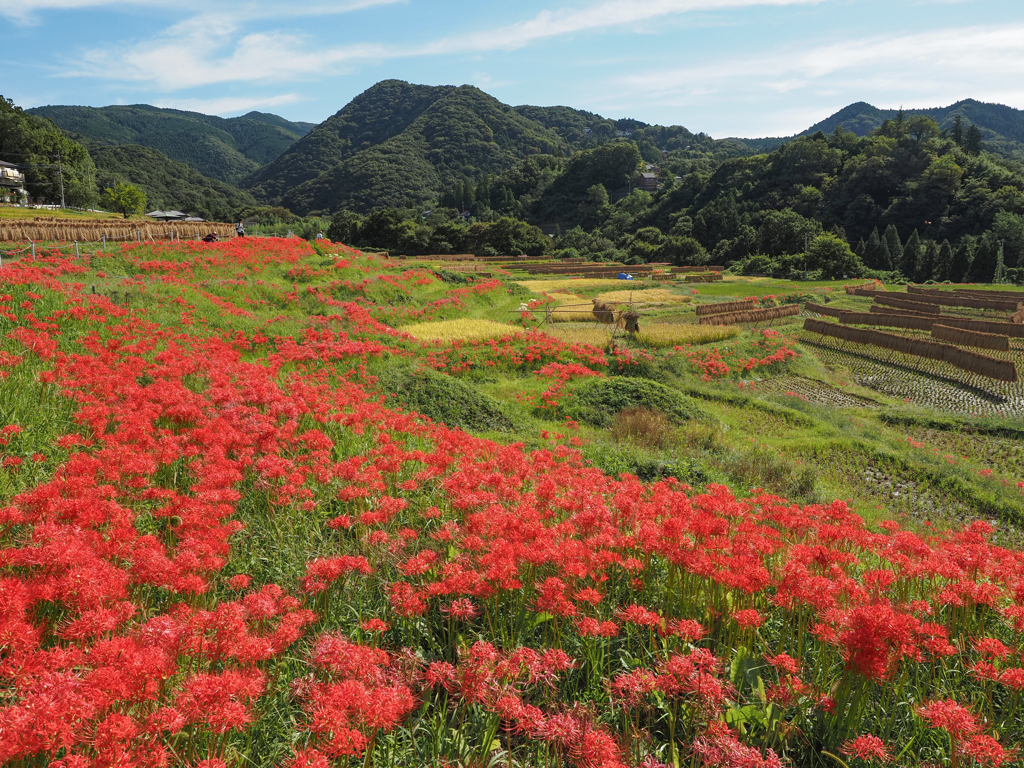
(647, 297)
(460, 329)
(579, 309)
(670, 335)
(596, 336)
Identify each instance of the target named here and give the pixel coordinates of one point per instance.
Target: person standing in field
(240, 229)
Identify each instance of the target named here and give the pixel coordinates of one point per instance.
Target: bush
(597, 401)
(443, 399)
(616, 460)
(642, 427)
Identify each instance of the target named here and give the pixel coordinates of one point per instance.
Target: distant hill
(1002, 127)
(168, 184)
(399, 145)
(227, 149)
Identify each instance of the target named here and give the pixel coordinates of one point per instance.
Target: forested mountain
(168, 184)
(400, 145)
(222, 148)
(45, 154)
(1000, 127)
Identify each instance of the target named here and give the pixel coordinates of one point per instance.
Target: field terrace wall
(917, 306)
(878, 309)
(820, 309)
(852, 290)
(973, 362)
(914, 322)
(93, 231)
(1014, 330)
(946, 299)
(678, 270)
(965, 338)
(753, 316)
(721, 307)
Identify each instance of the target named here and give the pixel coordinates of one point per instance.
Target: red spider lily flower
(985, 751)
(868, 748)
(950, 717)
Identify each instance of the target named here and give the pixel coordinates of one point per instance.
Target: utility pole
(60, 172)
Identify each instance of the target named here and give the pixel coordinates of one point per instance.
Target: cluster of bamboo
(973, 362)
(69, 230)
(752, 316)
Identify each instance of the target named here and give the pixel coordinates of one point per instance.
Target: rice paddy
(460, 329)
(673, 334)
(648, 297)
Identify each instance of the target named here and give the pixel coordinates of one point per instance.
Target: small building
(647, 182)
(12, 184)
(167, 215)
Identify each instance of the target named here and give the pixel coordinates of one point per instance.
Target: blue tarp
(624, 276)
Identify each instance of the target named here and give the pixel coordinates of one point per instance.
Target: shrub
(642, 427)
(443, 399)
(617, 460)
(597, 401)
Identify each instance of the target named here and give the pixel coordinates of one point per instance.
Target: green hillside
(168, 184)
(1002, 127)
(438, 137)
(47, 157)
(222, 148)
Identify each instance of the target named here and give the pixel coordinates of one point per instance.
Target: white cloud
(227, 105)
(548, 24)
(29, 11)
(937, 67)
(211, 49)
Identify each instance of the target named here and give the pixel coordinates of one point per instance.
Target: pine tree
(983, 268)
(944, 262)
(926, 261)
(963, 257)
(958, 131)
(911, 253)
(972, 140)
(892, 239)
(886, 257)
(873, 255)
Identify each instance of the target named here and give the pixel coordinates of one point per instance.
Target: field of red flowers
(218, 547)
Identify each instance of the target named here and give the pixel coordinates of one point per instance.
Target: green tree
(832, 255)
(957, 134)
(892, 240)
(926, 261)
(944, 261)
(972, 140)
(125, 198)
(785, 231)
(344, 227)
(911, 253)
(963, 257)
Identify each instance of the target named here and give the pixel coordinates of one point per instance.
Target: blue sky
(725, 67)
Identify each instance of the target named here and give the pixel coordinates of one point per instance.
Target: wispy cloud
(550, 24)
(228, 104)
(983, 62)
(31, 11)
(213, 48)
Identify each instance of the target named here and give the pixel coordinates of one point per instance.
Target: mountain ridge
(227, 149)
